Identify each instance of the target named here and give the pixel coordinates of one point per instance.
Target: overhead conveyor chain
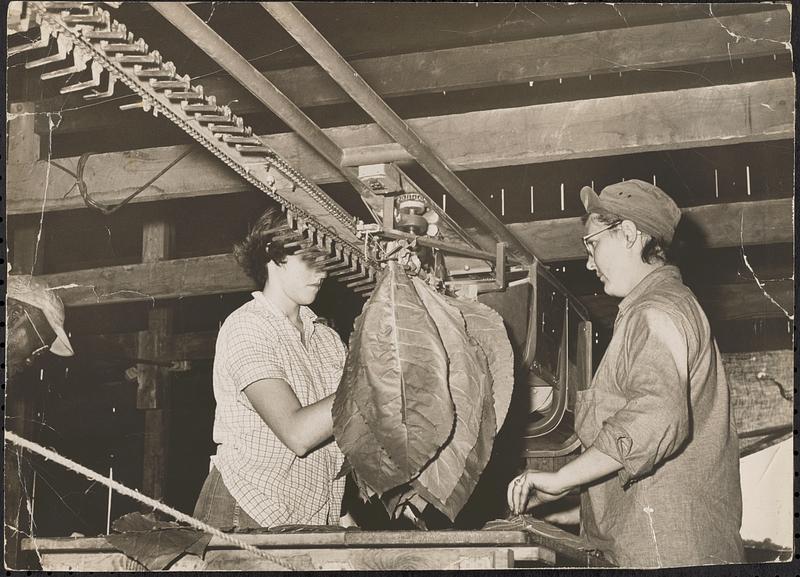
(98, 42)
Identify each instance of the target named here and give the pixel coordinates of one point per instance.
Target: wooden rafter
(220, 274)
(697, 117)
(178, 347)
(715, 226)
(733, 301)
(504, 63)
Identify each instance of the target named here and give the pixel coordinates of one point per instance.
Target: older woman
(660, 465)
(275, 372)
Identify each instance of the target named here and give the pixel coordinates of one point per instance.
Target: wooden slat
(178, 347)
(24, 141)
(216, 274)
(719, 226)
(158, 239)
(720, 302)
(761, 392)
(220, 274)
(320, 540)
(22, 401)
(596, 52)
(368, 559)
(698, 117)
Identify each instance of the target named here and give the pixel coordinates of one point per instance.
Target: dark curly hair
(655, 249)
(271, 239)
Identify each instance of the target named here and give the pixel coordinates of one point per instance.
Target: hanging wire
(99, 206)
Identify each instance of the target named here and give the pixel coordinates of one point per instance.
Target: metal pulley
(414, 215)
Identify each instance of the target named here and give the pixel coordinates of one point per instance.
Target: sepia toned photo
(391, 286)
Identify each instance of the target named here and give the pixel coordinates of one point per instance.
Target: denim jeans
(217, 507)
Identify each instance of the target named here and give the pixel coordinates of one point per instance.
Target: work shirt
(677, 499)
(270, 482)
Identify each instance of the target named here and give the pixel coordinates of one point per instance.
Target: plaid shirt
(272, 484)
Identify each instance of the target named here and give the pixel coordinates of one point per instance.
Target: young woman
(275, 372)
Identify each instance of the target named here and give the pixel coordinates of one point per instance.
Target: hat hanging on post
(34, 292)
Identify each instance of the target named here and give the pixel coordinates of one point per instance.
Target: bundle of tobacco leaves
(426, 386)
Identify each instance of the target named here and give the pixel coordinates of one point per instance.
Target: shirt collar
(306, 314)
(656, 277)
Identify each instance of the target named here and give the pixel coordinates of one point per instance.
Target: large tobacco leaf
(396, 375)
(373, 469)
(155, 544)
(469, 381)
(427, 380)
(486, 326)
(476, 461)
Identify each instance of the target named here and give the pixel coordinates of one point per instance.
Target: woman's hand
(533, 488)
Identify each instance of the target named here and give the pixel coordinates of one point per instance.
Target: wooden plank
(216, 274)
(478, 66)
(744, 300)
(22, 401)
(762, 394)
(153, 381)
(718, 225)
(26, 248)
(324, 539)
(220, 274)
(177, 347)
(697, 117)
(370, 559)
(157, 240)
(23, 142)
(94, 561)
(679, 119)
(570, 549)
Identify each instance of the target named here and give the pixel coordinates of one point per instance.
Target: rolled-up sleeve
(252, 352)
(654, 422)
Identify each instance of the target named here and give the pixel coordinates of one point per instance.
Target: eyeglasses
(590, 246)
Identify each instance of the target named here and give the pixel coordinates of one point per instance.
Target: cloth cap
(36, 293)
(653, 211)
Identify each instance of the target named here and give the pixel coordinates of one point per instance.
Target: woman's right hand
(533, 488)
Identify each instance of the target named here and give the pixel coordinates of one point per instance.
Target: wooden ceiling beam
(177, 347)
(485, 65)
(692, 118)
(734, 301)
(708, 226)
(220, 274)
(149, 282)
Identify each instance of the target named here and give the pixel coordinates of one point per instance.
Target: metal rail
(194, 28)
(90, 34)
(292, 20)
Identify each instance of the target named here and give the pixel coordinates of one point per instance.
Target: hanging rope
(99, 206)
(136, 495)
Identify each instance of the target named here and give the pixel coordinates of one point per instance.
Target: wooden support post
(23, 142)
(152, 395)
(22, 400)
(23, 150)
